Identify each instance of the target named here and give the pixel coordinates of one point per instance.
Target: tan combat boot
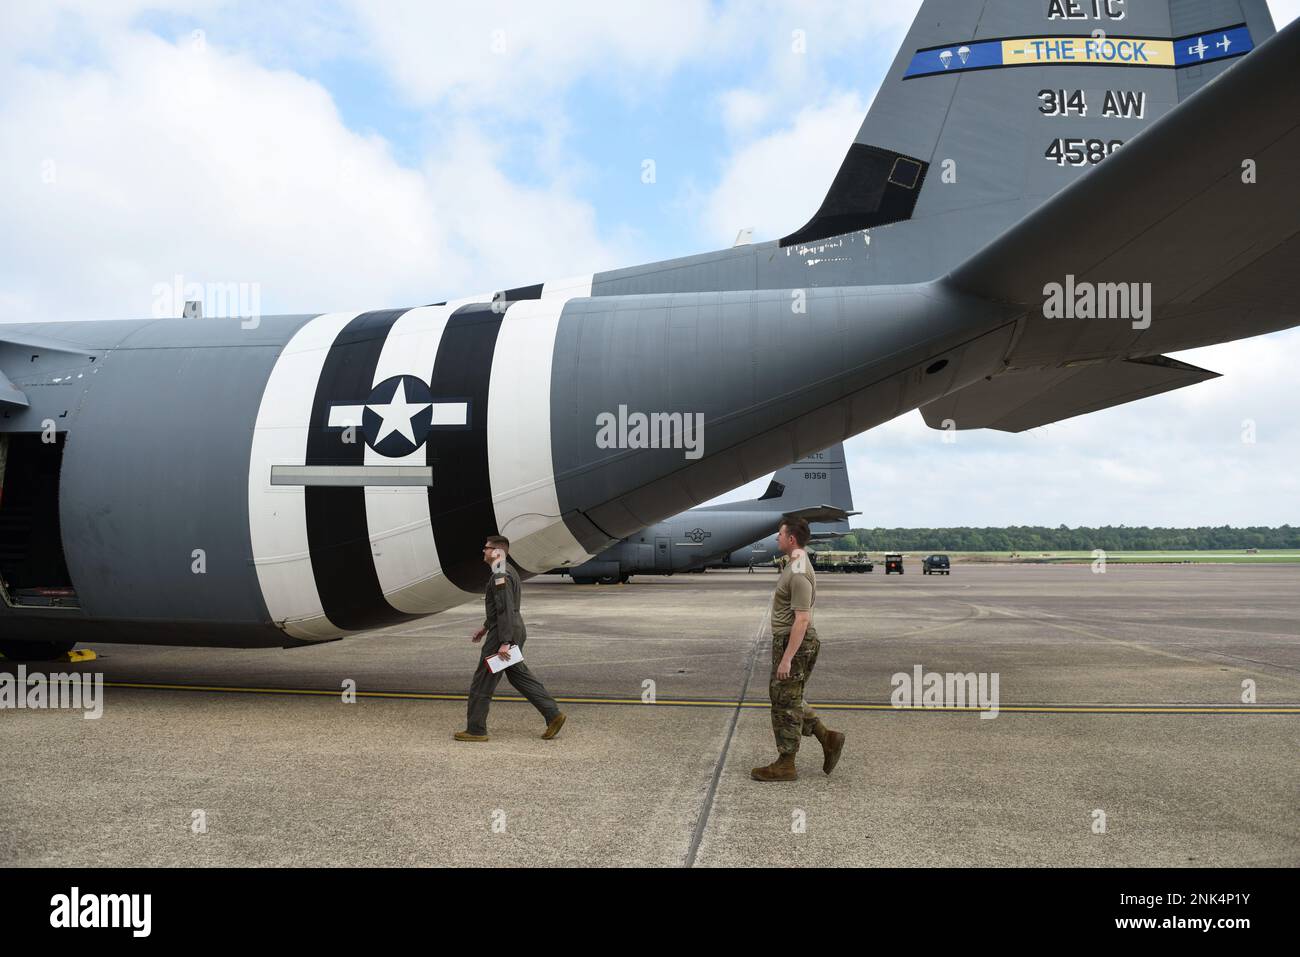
(466, 736)
(554, 727)
(832, 743)
(782, 769)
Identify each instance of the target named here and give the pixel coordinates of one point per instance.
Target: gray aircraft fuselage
(285, 480)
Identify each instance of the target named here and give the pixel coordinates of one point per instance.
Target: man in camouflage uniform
(794, 653)
(503, 626)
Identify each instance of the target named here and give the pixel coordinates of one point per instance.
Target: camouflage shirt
(796, 590)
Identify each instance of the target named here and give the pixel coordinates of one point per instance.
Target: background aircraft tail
(817, 487)
(992, 107)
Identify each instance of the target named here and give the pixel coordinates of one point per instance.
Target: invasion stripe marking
(524, 498)
(338, 534)
(405, 554)
(277, 524)
(460, 501)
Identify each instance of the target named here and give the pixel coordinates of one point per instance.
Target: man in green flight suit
(794, 653)
(504, 627)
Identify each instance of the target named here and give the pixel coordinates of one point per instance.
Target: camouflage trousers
(791, 715)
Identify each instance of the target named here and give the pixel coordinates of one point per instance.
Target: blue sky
(354, 155)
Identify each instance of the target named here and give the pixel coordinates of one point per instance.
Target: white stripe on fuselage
(520, 466)
(277, 514)
(401, 532)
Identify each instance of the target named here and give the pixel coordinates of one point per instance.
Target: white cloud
(1284, 11)
(511, 55)
(776, 183)
(168, 159)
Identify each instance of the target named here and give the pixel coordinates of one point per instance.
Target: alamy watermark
(214, 300)
(651, 430)
(1098, 300)
(129, 911)
(76, 691)
(933, 689)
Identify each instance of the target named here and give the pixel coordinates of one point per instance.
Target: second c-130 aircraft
(816, 488)
(1045, 197)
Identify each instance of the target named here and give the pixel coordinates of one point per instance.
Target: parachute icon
(945, 58)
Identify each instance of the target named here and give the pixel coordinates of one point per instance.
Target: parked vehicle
(935, 565)
(859, 563)
(893, 564)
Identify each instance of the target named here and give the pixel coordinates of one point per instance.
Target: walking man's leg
(832, 742)
(528, 685)
(481, 690)
(787, 713)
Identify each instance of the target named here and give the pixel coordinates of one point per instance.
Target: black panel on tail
(874, 187)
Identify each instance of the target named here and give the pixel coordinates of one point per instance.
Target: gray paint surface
(157, 467)
(772, 385)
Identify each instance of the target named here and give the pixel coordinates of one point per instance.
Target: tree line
(1038, 538)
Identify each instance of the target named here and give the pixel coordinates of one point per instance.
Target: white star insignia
(397, 414)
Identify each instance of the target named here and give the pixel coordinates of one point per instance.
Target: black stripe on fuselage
(338, 534)
(523, 292)
(460, 499)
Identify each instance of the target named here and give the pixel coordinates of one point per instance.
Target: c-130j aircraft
(192, 482)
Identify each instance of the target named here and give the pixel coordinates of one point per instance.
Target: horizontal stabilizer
(821, 513)
(1016, 401)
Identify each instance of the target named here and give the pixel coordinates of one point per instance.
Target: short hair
(498, 541)
(798, 527)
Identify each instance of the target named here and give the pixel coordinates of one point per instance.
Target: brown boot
(831, 748)
(782, 769)
(832, 743)
(554, 727)
(468, 736)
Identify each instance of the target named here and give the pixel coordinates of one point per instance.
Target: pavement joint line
(714, 703)
(707, 806)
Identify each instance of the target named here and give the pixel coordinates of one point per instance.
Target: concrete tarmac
(1121, 702)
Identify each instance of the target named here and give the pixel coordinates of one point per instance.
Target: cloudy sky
(368, 154)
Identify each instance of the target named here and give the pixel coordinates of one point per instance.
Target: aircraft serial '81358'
(1027, 168)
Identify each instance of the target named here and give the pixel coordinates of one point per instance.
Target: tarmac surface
(1121, 702)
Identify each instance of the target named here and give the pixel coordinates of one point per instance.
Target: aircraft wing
(1203, 205)
(18, 350)
(1016, 401)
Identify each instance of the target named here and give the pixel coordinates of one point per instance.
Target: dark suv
(935, 565)
(894, 564)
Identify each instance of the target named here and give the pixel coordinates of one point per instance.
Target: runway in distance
(1032, 214)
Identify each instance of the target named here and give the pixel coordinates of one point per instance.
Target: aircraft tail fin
(992, 107)
(1192, 238)
(821, 478)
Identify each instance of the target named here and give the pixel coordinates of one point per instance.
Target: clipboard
(496, 665)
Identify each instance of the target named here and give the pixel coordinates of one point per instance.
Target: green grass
(1236, 556)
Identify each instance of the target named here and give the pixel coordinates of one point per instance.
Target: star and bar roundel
(398, 415)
